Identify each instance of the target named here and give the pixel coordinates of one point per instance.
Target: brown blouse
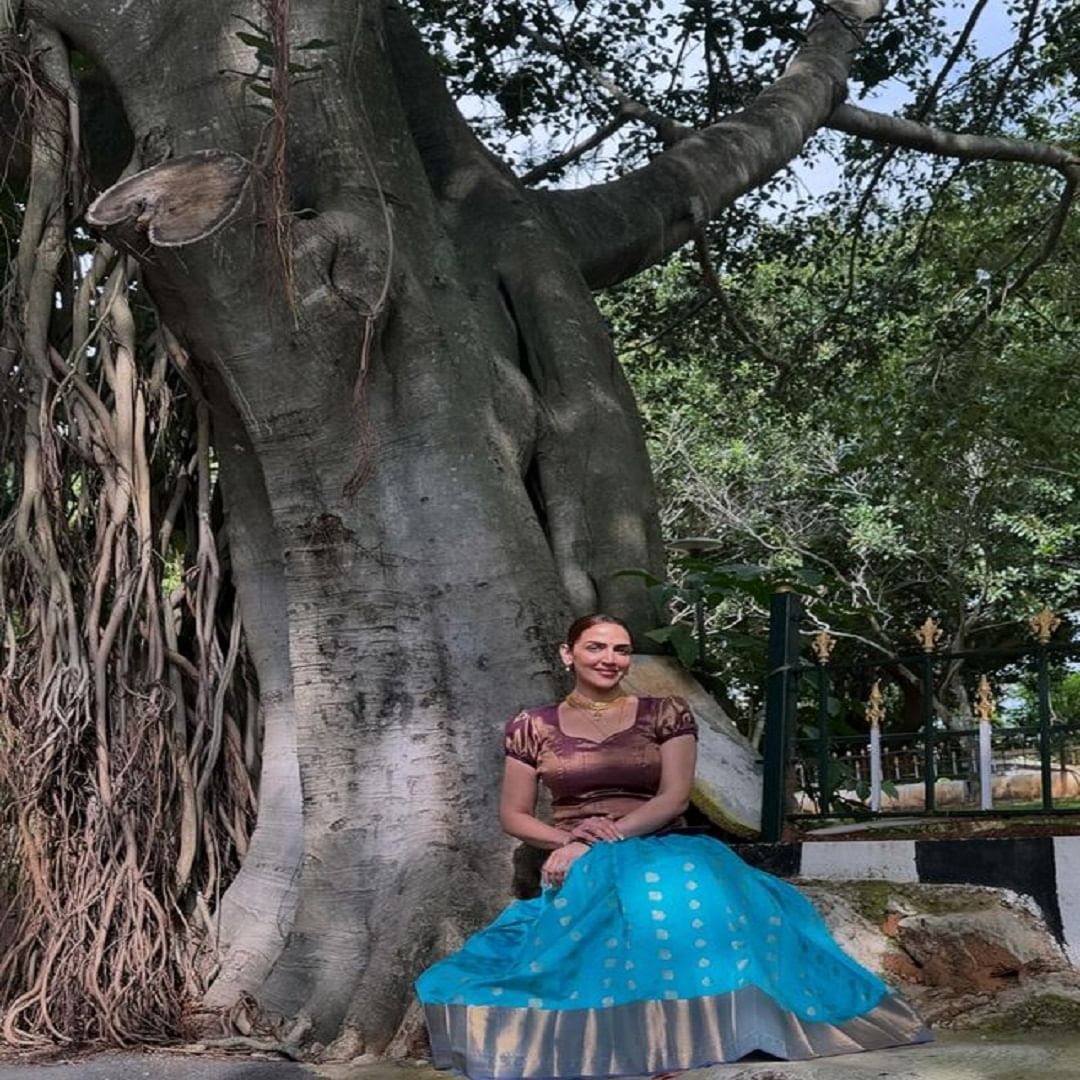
(588, 778)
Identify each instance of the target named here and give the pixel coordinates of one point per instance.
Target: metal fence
(826, 758)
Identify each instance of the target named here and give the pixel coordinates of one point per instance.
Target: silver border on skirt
(640, 1038)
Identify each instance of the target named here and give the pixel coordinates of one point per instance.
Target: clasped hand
(589, 831)
(592, 829)
(557, 864)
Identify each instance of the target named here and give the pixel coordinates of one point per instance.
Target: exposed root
(126, 796)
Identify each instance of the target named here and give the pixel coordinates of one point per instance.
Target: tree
(936, 474)
(426, 459)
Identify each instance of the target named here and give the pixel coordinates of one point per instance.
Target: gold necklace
(578, 701)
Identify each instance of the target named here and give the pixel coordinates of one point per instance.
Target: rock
(967, 957)
(1045, 1002)
(855, 934)
(979, 950)
(727, 787)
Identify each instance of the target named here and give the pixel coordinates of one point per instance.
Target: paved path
(1033, 1055)
(158, 1066)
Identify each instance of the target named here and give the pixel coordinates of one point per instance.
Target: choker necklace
(578, 701)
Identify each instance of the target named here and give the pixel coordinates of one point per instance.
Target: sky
(993, 34)
(816, 174)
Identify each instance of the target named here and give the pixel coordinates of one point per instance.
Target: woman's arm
(678, 756)
(517, 808)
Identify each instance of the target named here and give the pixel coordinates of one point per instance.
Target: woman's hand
(557, 864)
(596, 828)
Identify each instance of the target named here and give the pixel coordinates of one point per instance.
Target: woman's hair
(587, 622)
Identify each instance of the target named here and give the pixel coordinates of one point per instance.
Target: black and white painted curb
(1046, 868)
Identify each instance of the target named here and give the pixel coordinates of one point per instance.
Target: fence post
(824, 755)
(875, 714)
(985, 709)
(823, 645)
(929, 772)
(1045, 749)
(780, 703)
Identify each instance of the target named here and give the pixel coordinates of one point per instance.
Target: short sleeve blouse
(587, 777)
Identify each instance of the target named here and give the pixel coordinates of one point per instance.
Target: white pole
(875, 713)
(875, 768)
(986, 785)
(985, 709)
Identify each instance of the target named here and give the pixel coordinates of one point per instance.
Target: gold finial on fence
(929, 634)
(1044, 624)
(875, 707)
(984, 700)
(823, 645)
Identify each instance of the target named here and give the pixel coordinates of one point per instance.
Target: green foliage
(903, 433)
(1022, 707)
(700, 581)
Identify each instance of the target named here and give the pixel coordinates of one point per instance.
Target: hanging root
(126, 715)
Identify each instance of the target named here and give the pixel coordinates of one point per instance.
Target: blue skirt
(657, 954)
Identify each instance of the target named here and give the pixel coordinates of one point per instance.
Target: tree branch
(898, 131)
(559, 161)
(620, 228)
(669, 131)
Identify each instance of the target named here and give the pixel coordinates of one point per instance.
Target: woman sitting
(648, 950)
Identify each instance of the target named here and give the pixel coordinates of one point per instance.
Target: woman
(649, 950)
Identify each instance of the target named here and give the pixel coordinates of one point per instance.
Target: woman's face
(600, 657)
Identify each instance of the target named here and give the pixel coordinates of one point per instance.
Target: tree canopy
(910, 437)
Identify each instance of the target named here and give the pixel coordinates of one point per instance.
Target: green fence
(859, 736)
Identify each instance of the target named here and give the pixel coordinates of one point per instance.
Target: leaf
(256, 41)
(681, 638)
(317, 43)
(660, 594)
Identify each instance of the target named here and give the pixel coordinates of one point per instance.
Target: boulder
(727, 787)
(966, 956)
(970, 951)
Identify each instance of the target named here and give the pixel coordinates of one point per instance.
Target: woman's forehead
(606, 633)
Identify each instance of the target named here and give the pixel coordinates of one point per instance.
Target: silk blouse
(589, 778)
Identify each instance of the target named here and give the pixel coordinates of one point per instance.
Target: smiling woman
(649, 950)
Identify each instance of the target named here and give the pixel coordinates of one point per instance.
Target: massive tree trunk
(429, 460)
(429, 457)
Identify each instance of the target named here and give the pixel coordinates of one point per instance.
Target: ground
(955, 1056)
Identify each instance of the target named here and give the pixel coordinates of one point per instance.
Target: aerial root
(126, 798)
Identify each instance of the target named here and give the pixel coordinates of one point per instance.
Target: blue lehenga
(660, 953)
(657, 954)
